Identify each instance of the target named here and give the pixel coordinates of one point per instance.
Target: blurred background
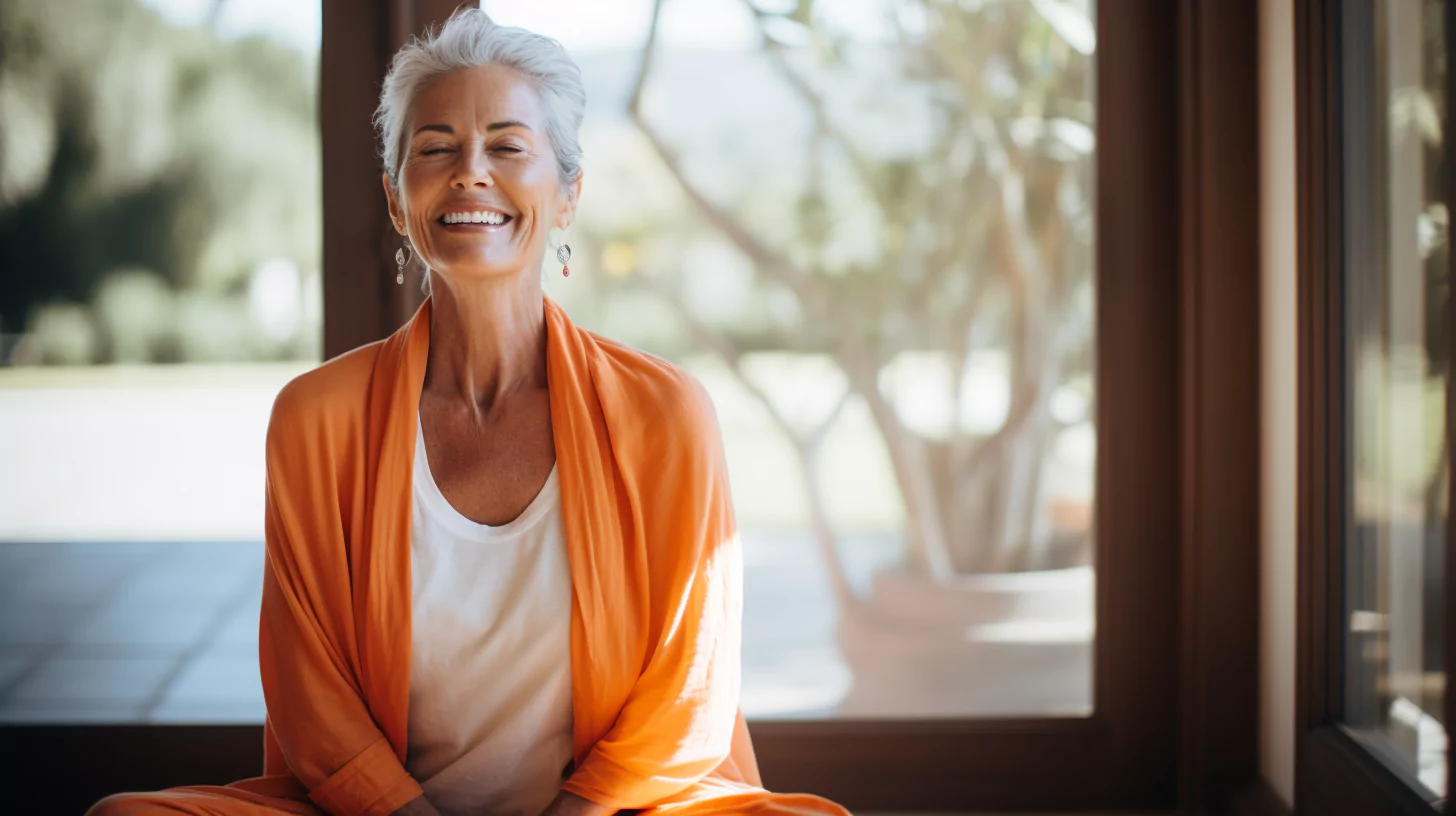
(865, 225)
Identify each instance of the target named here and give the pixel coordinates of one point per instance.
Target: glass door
(1397, 287)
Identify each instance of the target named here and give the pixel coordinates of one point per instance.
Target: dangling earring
(563, 254)
(402, 256)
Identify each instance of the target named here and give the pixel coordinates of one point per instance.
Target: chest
(490, 471)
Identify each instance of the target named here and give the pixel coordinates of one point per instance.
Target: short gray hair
(470, 39)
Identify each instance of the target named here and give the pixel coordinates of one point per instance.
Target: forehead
(480, 96)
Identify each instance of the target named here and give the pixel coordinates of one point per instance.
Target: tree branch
(764, 256)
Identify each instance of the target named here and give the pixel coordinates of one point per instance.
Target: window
(1377, 283)
(160, 231)
(1396, 283)
(940, 186)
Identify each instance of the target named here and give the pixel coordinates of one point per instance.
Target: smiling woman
(472, 126)
(477, 187)
(504, 573)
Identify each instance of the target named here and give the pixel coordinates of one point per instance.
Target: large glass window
(160, 228)
(867, 227)
(1397, 286)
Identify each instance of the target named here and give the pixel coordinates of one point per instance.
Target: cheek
(418, 182)
(546, 200)
(411, 200)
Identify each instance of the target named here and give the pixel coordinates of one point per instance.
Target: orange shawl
(656, 576)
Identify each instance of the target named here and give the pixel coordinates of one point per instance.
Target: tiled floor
(130, 632)
(167, 633)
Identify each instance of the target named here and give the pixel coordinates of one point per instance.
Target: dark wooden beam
(355, 45)
(1220, 363)
(362, 303)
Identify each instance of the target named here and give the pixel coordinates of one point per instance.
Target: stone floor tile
(40, 623)
(118, 680)
(217, 678)
(181, 713)
(70, 712)
(159, 623)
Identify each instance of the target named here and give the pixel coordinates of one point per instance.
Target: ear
(396, 210)
(568, 210)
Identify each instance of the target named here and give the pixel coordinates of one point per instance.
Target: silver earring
(563, 254)
(402, 256)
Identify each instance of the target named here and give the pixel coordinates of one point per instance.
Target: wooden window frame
(1334, 774)
(1177, 476)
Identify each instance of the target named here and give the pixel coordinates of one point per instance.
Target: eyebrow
(492, 126)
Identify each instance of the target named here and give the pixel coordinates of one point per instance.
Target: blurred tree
(126, 142)
(981, 239)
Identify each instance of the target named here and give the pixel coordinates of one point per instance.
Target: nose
(473, 168)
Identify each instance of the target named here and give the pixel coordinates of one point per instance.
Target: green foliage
(127, 143)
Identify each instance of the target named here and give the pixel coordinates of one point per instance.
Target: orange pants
(239, 800)
(261, 796)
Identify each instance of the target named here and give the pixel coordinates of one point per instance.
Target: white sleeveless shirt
(490, 659)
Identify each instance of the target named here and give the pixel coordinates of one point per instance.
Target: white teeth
(478, 217)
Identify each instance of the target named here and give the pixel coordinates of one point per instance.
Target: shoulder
(333, 395)
(658, 396)
(665, 435)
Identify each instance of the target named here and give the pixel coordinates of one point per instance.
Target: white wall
(1278, 381)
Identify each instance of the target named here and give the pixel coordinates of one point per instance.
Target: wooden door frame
(1219, 413)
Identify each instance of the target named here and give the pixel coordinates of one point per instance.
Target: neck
(487, 339)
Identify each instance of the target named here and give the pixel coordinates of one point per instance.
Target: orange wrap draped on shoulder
(656, 572)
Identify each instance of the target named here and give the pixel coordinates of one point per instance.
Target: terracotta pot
(980, 645)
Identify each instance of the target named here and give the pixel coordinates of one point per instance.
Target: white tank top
(490, 660)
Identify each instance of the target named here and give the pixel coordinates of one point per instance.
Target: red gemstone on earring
(565, 271)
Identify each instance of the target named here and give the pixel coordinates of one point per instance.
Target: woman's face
(476, 142)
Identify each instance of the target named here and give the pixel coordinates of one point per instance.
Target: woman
(503, 570)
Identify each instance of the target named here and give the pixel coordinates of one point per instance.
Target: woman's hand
(569, 804)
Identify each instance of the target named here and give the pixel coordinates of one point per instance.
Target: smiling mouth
(479, 219)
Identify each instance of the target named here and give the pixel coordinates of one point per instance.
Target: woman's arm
(677, 724)
(307, 645)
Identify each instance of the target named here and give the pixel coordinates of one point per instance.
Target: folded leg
(263, 796)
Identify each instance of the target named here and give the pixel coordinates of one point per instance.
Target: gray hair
(470, 39)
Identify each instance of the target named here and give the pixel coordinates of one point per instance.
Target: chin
(481, 269)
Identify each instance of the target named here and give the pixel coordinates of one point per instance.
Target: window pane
(159, 238)
(867, 228)
(1397, 284)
